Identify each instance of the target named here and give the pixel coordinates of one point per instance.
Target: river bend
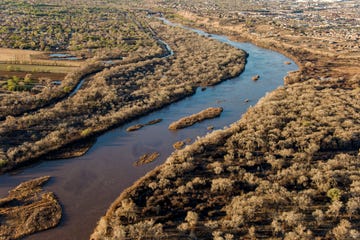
(87, 185)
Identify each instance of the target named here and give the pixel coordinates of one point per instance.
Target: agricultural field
(23, 70)
(17, 55)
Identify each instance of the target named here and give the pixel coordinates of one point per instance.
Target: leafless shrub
(319, 216)
(334, 209)
(221, 185)
(342, 230)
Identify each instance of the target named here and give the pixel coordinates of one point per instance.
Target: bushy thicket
(59, 27)
(289, 169)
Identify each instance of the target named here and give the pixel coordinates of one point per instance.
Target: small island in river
(184, 122)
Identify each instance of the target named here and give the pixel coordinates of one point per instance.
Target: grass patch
(3, 163)
(36, 68)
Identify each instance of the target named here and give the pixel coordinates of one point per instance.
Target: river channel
(87, 185)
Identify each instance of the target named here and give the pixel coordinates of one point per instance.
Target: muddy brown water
(87, 185)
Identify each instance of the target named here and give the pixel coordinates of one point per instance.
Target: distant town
(336, 22)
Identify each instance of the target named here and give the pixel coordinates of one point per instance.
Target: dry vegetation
(147, 158)
(184, 122)
(138, 126)
(11, 55)
(146, 79)
(61, 27)
(178, 145)
(27, 210)
(288, 169)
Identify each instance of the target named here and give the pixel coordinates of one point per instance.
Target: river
(87, 185)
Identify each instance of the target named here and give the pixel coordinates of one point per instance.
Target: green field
(36, 68)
